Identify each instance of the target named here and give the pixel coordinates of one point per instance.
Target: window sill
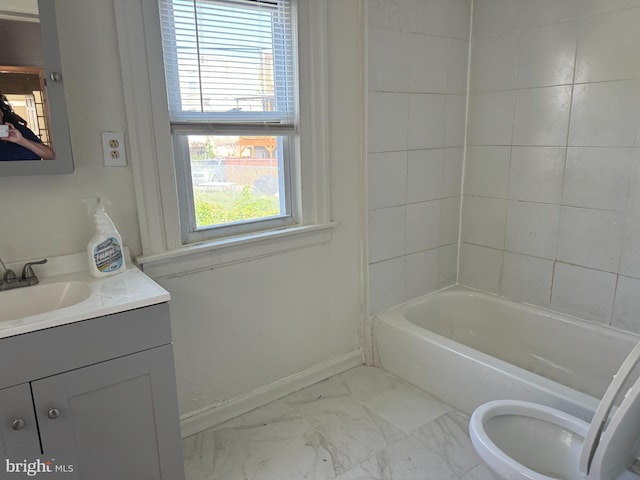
(228, 251)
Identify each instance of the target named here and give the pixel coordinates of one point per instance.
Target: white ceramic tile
(455, 116)
(633, 203)
(449, 220)
(446, 437)
(494, 63)
(483, 221)
(386, 284)
(408, 409)
(595, 7)
(447, 18)
(422, 226)
(452, 181)
(422, 273)
(487, 171)
(260, 439)
(353, 431)
(626, 308)
(387, 228)
(590, 238)
(491, 17)
(527, 279)
(605, 114)
(545, 12)
(424, 180)
(431, 17)
(542, 116)
(532, 229)
(389, 56)
(547, 55)
(490, 120)
(306, 456)
(357, 473)
(447, 265)
(480, 267)
(536, 174)
(426, 121)
(389, 14)
(408, 459)
(608, 47)
(364, 383)
(460, 18)
(324, 430)
(597, 177)
(458, 61)
(630, 258)
(583, 292)
(387, 179)
(428, 65)
(388, 121)
(212, 453)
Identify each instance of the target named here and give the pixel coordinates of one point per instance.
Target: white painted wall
(240, 327)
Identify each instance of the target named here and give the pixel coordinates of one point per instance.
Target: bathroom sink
(28, 301)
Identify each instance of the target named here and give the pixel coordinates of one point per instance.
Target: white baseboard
(208, 417)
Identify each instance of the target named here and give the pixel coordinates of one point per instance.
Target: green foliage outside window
(213, 208)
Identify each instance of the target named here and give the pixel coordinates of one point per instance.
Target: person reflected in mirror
(17, 141)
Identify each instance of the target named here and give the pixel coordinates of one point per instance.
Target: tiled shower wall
(417, 74)
(551, 211)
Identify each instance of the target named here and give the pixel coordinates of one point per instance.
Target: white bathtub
(467, 348)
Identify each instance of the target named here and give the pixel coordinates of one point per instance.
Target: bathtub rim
(395, 317)
(452, 290)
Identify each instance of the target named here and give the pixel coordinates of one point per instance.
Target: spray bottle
(105, 249)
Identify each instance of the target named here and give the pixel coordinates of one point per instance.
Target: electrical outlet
(113, 149)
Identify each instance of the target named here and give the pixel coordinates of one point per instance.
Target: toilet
(526, 441)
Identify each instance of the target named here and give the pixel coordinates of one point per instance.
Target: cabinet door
(113, 420)
(18, 428)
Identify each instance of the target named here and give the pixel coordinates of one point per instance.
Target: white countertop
(117, 293)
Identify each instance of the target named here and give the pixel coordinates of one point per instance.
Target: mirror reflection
(34, 131)
(24, 114)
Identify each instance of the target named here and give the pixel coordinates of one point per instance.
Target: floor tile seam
(375, 454)
(444, 457)
(245, 443)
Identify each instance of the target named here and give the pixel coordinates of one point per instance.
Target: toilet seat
(596, 434)
(601, 450)
(504, 464)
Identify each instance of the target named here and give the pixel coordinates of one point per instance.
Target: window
(295, 139)
(231, 73)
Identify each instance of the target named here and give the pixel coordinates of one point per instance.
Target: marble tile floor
(363, 424)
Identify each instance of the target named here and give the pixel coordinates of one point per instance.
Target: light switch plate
(113, 149)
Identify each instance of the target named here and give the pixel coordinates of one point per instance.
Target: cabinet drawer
(48, 352)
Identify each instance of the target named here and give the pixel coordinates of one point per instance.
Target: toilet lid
(610, 450)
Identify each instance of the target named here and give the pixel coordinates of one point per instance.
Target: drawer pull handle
(17, 424)
(53, 413)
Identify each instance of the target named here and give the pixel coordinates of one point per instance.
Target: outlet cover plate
(113, 149)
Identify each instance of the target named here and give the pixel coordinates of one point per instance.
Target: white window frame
(150, 143)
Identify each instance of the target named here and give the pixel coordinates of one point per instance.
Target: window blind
(229, 61)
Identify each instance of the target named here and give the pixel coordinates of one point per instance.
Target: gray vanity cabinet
(18, 433)
(115, 418)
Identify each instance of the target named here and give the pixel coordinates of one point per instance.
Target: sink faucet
(10, 280)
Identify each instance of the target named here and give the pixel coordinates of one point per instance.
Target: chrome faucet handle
(9, 276)
(28, 273)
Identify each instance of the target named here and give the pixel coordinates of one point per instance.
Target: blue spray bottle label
(107, 255)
